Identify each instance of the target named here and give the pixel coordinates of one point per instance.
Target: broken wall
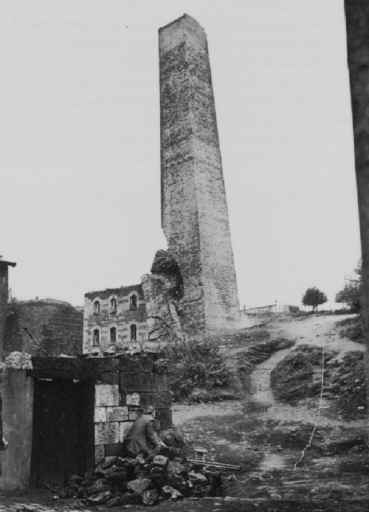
(124, 385)
(43, 328)
(121, 318)
(194, 207)
(163, 291)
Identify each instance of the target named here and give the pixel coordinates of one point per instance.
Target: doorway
(63, 437)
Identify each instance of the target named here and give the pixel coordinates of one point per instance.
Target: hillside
(307, 447)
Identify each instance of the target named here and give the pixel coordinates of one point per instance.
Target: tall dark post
(357, 24)
(4, 297)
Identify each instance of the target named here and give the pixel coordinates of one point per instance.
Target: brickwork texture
(121, 318)
(44, 328)
(124, 385)
(194, 209)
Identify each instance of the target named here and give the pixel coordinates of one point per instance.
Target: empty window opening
(133, 330)
(96, 307)
(113, 334)
(96, 338)
(133, 302)
(113, 305)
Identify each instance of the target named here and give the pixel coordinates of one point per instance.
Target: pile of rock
(121, 481)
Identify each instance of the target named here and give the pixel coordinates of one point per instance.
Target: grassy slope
(267, 439)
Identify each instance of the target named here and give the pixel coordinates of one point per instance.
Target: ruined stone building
(193, 201)
(62, 411)
(43, 327)
(69, 389)
(114, 319)
(192, 288)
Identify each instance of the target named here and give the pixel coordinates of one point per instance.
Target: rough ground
(268, 438)
(280, 468)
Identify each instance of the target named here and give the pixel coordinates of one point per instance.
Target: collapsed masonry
(192, 288)
(199, 295)
(63, 409)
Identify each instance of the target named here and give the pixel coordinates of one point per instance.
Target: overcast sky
(79, 132)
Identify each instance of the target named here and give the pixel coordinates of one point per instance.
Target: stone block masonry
(105, 394)
(194, 208)
(112, 312)
(123, 386)
(111, 419)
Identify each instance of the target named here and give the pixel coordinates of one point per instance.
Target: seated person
(142, 437)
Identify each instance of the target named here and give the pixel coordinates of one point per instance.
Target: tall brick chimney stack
(193, 201)
(4, 298)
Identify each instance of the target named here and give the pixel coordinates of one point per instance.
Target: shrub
(297, 377)
(351, 328)
(196, 365)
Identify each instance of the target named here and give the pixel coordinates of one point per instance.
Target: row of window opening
(113, 305)
(113, 335)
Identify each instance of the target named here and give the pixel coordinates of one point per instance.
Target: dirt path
(312, 330)
(237, 434)
(316, 330)
(260, 378)
(182, 413)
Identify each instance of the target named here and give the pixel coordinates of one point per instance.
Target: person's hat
(150, 409)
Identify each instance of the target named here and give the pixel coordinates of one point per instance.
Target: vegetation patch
(298, 376)
(204, 371)
(351, 328)
(346, 385)
(197, 372)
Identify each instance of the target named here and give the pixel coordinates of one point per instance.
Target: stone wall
(124, 385)
(112, 420)
(15, 461)
(194, 209)
(121, 319)
(159, 321)
(44, 328)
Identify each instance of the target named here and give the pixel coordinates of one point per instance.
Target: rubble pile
(122, 481)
